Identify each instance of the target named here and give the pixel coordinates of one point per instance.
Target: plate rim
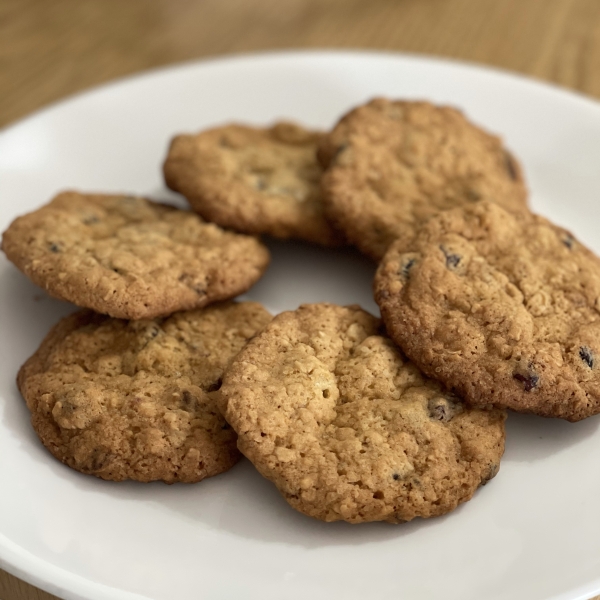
(456, 63)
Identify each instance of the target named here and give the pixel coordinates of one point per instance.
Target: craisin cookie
(329, 409)
(393, 164)
(129, 257)
(253, 180)
(504, 310)
(133, 399)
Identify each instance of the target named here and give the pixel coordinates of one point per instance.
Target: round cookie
(329, 409)
(253, 180)
(133, 399)
(129, 257)
(502, 309)
(393, 164)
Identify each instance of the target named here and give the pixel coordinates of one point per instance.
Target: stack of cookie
(486, 306)
(494, 304)
(122, 390)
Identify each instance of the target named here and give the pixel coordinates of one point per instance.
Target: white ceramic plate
(533, 533)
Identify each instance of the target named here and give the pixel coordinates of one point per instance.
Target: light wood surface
(52, 48)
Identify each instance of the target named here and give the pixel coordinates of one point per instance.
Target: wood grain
(50, 49)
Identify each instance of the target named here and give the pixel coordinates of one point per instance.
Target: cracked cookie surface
(134, 399)
(502, 309)
(330, 410)
(253, 180)
(129, 257)
(393, 164)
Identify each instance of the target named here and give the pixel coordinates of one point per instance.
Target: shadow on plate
(303, 273)
(241, 503)
(530, 438)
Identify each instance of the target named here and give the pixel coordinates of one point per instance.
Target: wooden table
(49, 49)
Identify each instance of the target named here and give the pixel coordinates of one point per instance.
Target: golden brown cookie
(330, 410)
(393, 164)
(502, 309)
(129, 257)
(132, 399)
(253, 180)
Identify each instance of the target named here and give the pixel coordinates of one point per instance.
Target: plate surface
(533, 533)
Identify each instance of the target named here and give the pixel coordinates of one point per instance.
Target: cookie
(329, 409)
(133, 399)
(393, 164)
(253, 180)
(129, 257)
(502, 309)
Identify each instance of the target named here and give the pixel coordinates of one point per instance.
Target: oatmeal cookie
(253, 180)
(133, 399)
(391, 165)
(330, 410)
(129, 257)
(501, 309)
